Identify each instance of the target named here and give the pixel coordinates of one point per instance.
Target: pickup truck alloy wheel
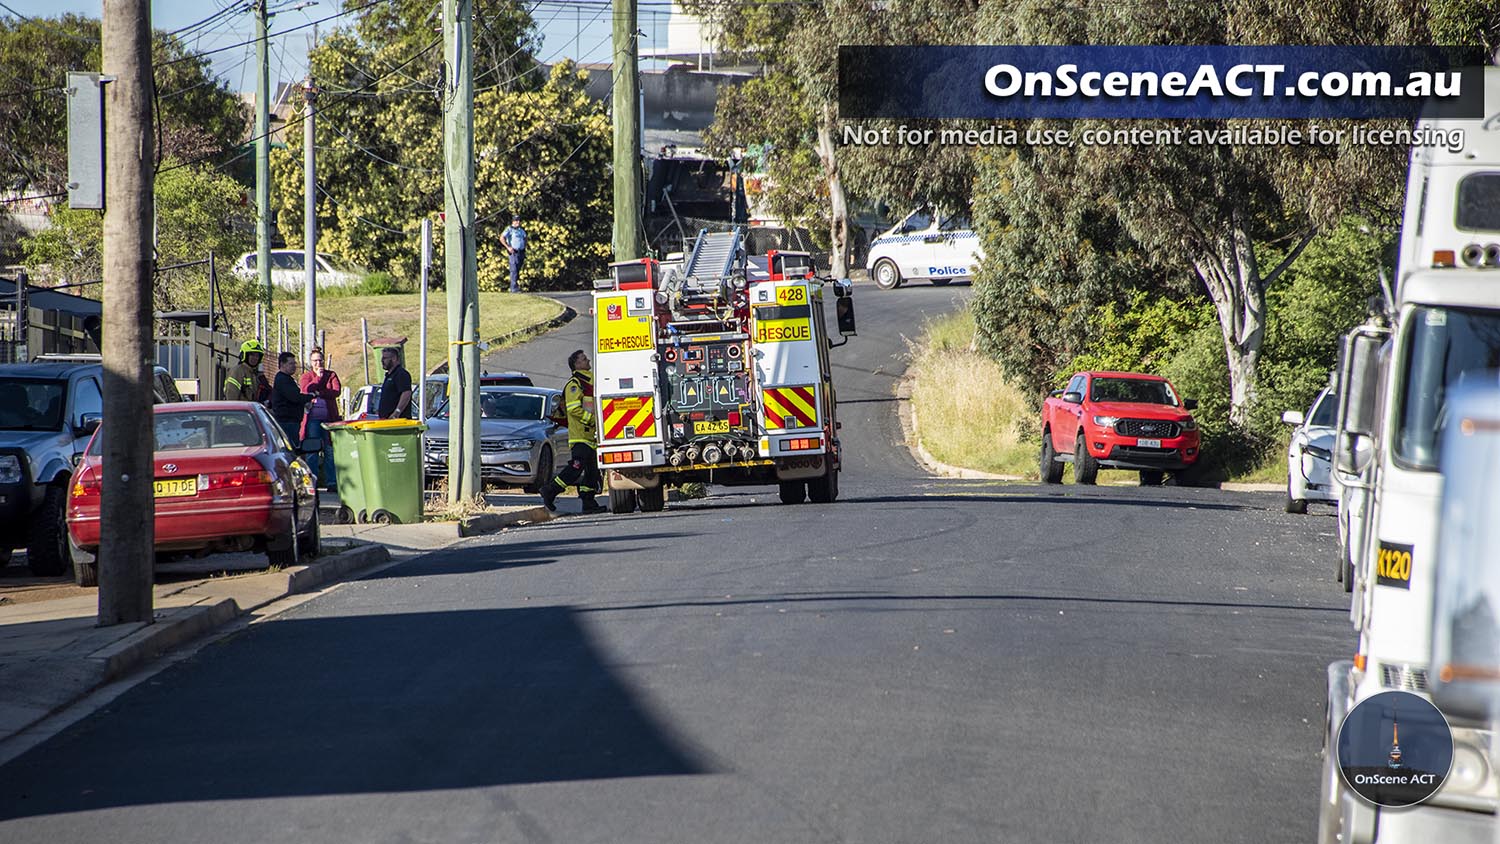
(1085, 467)
(1051, 469)
(887, 275)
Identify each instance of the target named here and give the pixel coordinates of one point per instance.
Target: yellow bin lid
(387, 425)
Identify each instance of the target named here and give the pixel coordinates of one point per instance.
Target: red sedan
(226, 479)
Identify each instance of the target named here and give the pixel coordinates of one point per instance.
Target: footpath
(52, 654)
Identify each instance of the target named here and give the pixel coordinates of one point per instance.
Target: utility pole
(458, 251)
(627, 123)
(262, 155)
(127, 520)
(309, 222)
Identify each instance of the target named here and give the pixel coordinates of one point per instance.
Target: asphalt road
(924, 660)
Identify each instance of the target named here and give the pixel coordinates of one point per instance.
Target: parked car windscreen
(1137, 390)
(198, 429)
(32, 405)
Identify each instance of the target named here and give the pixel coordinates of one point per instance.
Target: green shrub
(378, 284)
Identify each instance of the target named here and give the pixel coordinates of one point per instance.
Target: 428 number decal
(1393, 565)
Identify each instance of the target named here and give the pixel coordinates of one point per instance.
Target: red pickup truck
(1117, 420)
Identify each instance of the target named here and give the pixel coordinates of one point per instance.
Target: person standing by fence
(323, 385)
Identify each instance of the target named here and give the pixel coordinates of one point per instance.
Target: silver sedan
(519, 443)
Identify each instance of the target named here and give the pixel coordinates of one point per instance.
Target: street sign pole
(309, 223)
(262, 156)
(422, 408)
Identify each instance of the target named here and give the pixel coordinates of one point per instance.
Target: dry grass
(968, 413)
(397, 315)
(439, 509)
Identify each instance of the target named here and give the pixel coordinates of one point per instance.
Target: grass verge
(397, 315)
(969, 414)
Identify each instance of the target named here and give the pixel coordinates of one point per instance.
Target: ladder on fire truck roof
(714, 254)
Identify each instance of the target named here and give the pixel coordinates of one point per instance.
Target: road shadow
(497, 556)
(370, 704)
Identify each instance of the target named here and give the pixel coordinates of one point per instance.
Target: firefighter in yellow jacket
(245, 382)
(582, 468)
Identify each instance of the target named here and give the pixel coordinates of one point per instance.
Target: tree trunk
(1228, 268)
(838, 251)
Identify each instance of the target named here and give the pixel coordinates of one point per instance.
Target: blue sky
(580, 32)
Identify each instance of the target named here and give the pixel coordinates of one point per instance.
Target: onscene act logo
(1395, 749)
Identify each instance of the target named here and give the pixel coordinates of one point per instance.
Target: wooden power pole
(461, 265)
(626, 105)
(128, 518)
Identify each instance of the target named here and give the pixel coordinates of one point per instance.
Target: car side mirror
(88, 423)
(843, 309)
(1056, 394)
(1293, 417)
(1073, 397)
(1353, 452)
(1189, 404)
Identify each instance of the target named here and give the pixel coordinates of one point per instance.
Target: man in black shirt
(395, 391)
(288, 402)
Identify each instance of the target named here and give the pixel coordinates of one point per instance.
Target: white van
(288, 271)
(928, 245)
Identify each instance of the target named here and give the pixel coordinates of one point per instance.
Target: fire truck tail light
(734, 418)
(610, 457)
(1443, 258)
(802, 444)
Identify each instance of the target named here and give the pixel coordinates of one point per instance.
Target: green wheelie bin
(346, 470)
(389, 453)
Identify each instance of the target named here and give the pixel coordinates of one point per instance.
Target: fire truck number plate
(720, 426)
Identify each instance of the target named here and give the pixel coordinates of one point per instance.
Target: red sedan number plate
(176, 487)
(1148, 443)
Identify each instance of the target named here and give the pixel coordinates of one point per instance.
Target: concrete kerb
(923, 457)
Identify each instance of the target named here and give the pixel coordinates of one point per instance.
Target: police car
(927, 245)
